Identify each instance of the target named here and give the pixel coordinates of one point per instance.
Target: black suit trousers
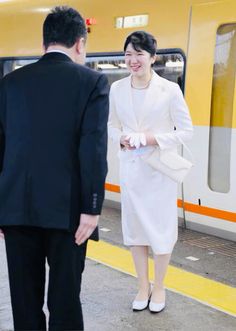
(27, 249)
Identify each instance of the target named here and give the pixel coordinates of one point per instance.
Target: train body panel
(22, 21)
(210, 93)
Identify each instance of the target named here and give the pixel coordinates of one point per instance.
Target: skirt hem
(156, 252)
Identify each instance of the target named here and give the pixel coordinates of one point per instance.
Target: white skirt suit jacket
(149, 198)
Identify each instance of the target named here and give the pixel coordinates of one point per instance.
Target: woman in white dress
(147, 111)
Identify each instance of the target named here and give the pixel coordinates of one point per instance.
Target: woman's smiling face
(138, 62)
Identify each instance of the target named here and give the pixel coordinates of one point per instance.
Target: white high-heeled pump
(156, 307)
(140, 305)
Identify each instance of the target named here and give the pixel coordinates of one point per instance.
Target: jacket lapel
(131, 120)
(154, 92)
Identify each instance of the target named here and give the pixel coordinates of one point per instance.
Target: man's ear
(80, 45)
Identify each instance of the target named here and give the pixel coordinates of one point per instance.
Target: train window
(223, 87)
(10, 65)
(169, 64)
(113, 66)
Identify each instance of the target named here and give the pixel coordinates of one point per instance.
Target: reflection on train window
(171, 67)
(112, 66)
(223, 86)
(10, 65)
(168, 65)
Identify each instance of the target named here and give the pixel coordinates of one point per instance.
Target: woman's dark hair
(141, 40)
(64, 26)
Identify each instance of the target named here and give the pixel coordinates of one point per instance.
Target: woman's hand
(137, 139)
(124, 142)
(133, 140)
(150, 139)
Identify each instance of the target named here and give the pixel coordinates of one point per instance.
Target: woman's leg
(161, 264)
(140, 257)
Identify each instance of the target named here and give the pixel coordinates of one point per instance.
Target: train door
(210, 190)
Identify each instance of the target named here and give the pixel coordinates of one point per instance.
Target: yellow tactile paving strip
(209, 292)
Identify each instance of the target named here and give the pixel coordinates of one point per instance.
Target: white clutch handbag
(169, 163)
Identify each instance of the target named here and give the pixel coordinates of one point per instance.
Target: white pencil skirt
(149, 205)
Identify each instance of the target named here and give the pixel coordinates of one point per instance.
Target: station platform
(201, 284)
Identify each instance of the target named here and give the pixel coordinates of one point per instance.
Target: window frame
(164, 51)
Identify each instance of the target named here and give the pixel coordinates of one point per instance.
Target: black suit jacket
(53, 143)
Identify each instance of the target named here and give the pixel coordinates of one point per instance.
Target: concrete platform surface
(106, 298)
(107, 293)
(107, 307)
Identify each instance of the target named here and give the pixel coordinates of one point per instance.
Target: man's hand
(1, 234)
(86, 227)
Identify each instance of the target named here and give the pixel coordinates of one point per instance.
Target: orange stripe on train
(190, 207)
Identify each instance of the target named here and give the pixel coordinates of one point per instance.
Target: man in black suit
(53, 142)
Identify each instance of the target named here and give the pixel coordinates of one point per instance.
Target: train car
(196, 49)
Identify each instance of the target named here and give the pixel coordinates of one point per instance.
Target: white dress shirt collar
(57, 51)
